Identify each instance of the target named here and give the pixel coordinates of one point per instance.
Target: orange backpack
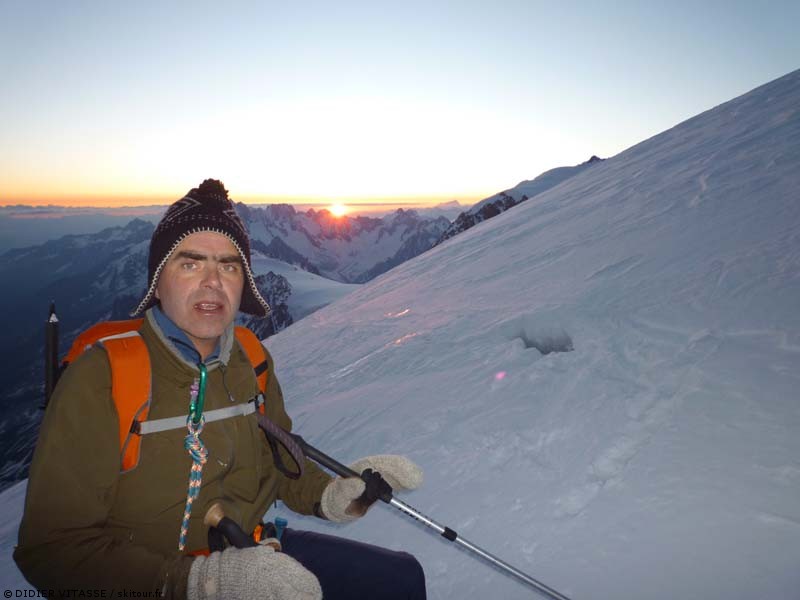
(130, 379)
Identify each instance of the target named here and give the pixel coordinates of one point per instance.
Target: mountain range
(346, 249)
(303, 260)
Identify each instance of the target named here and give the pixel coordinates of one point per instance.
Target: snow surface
(600, 383)
(11, 504)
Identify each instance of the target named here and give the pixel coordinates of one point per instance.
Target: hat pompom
(210, 189)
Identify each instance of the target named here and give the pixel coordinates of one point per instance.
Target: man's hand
(246, 573)
(348, 498)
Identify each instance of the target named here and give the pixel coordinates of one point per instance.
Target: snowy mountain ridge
(494, 205)
(346, 249)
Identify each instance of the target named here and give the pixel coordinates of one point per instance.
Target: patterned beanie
(204, 208)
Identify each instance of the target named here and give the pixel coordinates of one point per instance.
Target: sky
(315, 102)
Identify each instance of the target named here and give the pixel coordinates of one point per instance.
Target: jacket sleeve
(300, 495)
(63, 539)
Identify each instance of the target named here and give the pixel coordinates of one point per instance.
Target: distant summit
(450, 204)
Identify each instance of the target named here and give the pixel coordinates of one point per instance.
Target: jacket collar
(181, 347)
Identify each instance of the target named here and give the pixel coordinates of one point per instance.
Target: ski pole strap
(276, 435)
(323, 459)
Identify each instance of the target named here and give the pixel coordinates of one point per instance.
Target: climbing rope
(194, 446)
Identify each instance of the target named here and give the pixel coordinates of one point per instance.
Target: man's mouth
(208, 307)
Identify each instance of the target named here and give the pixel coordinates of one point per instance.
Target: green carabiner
(196, 407)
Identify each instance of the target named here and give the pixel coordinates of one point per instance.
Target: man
(90, 525)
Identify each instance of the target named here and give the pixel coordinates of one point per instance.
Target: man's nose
(211, 277)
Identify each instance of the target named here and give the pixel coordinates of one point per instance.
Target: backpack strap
(257, 356)
(130, 389)
(168, 423)
(97, 333)
(254, 349)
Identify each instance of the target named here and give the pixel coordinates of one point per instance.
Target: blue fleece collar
(180, 340)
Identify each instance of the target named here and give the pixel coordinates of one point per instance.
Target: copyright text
(77, 593)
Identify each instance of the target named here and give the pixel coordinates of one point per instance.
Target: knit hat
(204, 208)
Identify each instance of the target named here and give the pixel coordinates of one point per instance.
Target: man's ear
(156, 294)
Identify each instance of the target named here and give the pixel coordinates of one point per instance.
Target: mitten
(246, 573)
(348, 498)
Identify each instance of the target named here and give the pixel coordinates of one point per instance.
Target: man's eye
(189, 266)
(230, 267)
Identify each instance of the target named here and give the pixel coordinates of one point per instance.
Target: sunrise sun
(339, 210)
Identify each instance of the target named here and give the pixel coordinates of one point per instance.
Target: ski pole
(50, 354)
(340, 469)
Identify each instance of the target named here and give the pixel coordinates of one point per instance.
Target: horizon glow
(355, 102)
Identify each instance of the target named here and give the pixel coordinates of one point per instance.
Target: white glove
(339, 497)
(246, 573)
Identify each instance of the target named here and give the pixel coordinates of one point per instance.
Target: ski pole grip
(215, 519)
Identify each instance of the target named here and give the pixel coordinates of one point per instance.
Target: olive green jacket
(88, 526)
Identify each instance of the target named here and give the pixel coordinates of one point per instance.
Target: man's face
(200, 287)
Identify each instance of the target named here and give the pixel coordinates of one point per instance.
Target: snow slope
(601, 384)
(658, 459)
(309, 292)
